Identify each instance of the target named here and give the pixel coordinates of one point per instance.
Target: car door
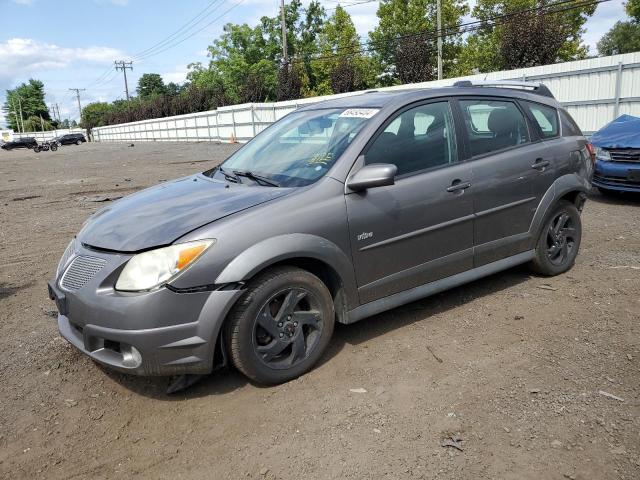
(421, 228)
(512, 170)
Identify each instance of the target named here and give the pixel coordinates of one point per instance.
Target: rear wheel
(78, 142)
(54, 147)
(281, 326)
(36, 149)
(559, 240)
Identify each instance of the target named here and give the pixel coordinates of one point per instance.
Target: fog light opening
(131, 357)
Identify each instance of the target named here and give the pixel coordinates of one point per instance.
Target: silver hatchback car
(340, 210)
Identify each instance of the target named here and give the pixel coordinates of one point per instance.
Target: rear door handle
(541, 164)
(458, 185)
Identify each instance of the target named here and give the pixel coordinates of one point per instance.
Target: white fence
(41, 136)
(594, 91)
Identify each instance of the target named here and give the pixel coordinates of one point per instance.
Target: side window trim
(393, 116)
(465, 133)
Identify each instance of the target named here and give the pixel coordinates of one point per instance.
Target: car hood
(160, 215)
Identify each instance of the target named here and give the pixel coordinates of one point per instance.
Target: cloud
(177, 75)
(22, 57)
(23, 2)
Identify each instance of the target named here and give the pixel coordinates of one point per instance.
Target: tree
(341, 66)
(151, 84)
(30, 98)
(484, 49)
(624, 37)
(94, 115)
(404, 42)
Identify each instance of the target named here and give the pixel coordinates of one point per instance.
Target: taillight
(592, 152)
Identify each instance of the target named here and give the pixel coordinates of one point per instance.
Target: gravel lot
(512, 366)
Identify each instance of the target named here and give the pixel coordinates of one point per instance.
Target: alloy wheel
(561, 239)
(288, 328)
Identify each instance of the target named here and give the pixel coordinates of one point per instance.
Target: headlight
(603, 155)
(66, 256)
(156, 267)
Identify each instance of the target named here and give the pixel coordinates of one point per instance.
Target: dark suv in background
(340, 210)
(24, 142)
(70, 139)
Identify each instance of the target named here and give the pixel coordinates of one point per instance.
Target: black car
(71, 138)
(25, 142)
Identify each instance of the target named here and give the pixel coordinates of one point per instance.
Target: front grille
(625, 155)
(622, 181)
(81, 270)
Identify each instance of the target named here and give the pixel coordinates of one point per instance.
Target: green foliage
(633, 9)
(30, 97)
(484, 50)
(37, 124)
(93, 114)
(624, 37)
(151, 84)
(405, 44)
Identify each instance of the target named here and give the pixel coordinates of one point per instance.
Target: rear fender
(563, 185)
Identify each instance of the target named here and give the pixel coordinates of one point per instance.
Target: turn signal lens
(188, 255)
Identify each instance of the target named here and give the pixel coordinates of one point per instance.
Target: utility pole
(20, 109)
(15, 114)
(78, 90)
(122, 65)
(285, 54)
(439, 27)
(58, 111)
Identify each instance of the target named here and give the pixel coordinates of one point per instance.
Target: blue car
(617, 148)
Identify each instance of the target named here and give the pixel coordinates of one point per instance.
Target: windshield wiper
(256, 178)
(229, 176)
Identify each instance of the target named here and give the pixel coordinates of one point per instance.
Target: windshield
(297, 150)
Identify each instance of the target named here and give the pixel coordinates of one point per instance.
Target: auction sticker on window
(359, 113)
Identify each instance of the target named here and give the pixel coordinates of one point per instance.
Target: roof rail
(538, 88)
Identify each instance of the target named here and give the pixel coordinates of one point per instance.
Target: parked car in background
(24, 142)
(339, 211)
(70, 139)
(617, 166)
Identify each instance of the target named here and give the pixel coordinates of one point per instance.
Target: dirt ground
(512, 367)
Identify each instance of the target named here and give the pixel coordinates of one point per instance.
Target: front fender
(291, 246)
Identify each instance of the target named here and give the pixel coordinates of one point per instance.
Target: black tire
(53, 147)
(559, 240)
(78, 142)
(281, 325)
(36, 149)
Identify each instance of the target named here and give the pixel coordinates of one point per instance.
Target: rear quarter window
(569, 127)
(546, 118)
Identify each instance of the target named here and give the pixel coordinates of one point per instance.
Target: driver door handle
(458, 185)
(540, 164)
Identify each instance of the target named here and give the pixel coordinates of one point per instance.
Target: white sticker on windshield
(359, 113)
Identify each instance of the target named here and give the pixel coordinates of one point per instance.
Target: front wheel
(78, 142)
(281, 326)
(53, 147)
(559, 240)
(36, 149)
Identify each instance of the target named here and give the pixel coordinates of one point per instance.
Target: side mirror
(374, 175)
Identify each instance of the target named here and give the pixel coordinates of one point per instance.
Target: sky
(73, 44)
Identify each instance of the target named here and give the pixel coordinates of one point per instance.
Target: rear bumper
(619, 176)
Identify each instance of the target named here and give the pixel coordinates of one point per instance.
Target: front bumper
(151, 333)
(621, 176)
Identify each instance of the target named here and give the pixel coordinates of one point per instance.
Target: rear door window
(546, 118)
(493, 125)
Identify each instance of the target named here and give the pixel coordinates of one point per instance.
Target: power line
(168, 47)
(184, 27)
(372, 45)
